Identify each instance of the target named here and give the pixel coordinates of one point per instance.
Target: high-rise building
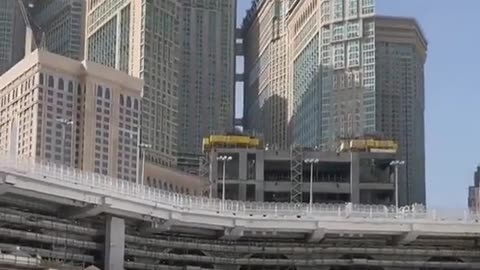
(80, 114)
(265, 83)
(401, 49)
(207, 75)
(141, 39)
(474, 193)
(61, 24)
(349, 73)
(12, 34)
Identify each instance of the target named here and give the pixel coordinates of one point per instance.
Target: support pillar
(355, 178)
(114, 243)
(259, 173)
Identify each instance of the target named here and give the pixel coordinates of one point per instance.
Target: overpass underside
(38, 234)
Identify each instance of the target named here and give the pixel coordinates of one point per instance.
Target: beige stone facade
(79, 114)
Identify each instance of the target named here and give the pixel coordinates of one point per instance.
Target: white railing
(111, 187)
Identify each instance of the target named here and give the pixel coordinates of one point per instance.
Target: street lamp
(225, 159)
(140, 147)
(64, 122)
(396, 164)
(311, 162)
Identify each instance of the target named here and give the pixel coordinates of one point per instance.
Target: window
(353, 30)
(60, 84)
(41, 78)
(70, 87)
(338, 32)
(107, 93)
(129, 102)
(51, 83)
(121, 100)
(99, 91)
(135, 106)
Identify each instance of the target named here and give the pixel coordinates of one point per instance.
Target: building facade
(400, 57)
(474, 193)
(79, 114)
(207, 75)
(265, 175)
(62, 24)
(351, 73)
(265, 84)
(12, 34)
(141, 38)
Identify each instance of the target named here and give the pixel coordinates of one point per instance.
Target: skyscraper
(62, 25)
(400, 57)
(12, 34)
(207, 75)
(141, 38)
(265, 40)
(349, 73)
(474, 192)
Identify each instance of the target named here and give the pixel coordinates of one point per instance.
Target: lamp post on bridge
(312, 162)
(141, 148)
(396, 164)
(224, 159)
(64, 123)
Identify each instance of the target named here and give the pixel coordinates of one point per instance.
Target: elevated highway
(80, 219)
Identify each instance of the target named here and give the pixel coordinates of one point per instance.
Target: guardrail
(111, 187)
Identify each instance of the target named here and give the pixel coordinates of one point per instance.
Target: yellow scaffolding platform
(230, 141)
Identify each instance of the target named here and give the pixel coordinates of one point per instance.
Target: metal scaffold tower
(204, 170)
(296, 174)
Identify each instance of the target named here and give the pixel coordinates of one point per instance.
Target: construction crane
(31, 41)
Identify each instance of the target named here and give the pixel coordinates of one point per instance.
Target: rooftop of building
(409, 22)
(67, 65)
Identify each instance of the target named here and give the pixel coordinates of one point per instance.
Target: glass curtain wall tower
(140, 38)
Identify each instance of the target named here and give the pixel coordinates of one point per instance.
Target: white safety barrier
(117, 187)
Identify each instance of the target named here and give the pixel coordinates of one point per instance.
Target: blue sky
(452, 114)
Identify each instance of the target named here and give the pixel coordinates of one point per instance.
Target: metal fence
(113, 187)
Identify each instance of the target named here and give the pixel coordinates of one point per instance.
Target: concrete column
(355, 178)
(242, 192)
(214, 173)
(259, 173)
(114, 243)
(242, 165)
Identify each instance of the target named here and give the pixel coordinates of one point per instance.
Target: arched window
(99, 91)
(61, 85)
(135, 104)
(165, 187)
(107, 93)
(40, 78)
(121, 100)
(129, 102)
(79, 90)
(171, 188)
(51, 83)
(70, 87)
(182, 190)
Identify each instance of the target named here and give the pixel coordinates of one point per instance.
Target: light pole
(396, 164)
(143, 146)
(225, 159)
(311, 162)
(64, 122)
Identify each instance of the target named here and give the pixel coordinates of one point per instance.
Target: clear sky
(452, 117)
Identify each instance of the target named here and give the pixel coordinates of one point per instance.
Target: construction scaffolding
(296, 174)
